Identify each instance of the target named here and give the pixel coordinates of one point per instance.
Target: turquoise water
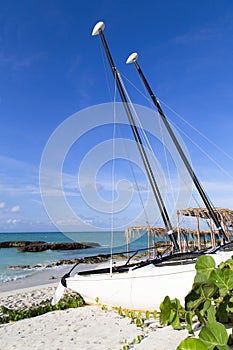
(12, 256)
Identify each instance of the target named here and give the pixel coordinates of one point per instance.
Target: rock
(19, 267)
(87, 260)
(40, 246)
(17, 244)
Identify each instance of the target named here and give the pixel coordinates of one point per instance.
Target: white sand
(85, 328)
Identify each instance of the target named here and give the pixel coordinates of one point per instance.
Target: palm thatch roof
(225, 215)
(160, 232)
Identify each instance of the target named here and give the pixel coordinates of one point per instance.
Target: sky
(51, 68)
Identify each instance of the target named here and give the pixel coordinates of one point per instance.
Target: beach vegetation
(210, 302)
(138, 318)
(68, 301)
(130, 344)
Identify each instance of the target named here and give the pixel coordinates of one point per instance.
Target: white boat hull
(139, 289)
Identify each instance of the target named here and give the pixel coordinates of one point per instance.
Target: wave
(8, 278)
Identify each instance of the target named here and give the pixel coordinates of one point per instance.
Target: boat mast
(133, 59)
(98, 30)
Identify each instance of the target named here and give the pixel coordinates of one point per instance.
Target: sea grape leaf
(206, 306)
(170, 312)
(189, 320)
(205, 264)
(201, 291)
(175, 314)
(165, 311)
(214, 336)
(191, 344)
(223, 278)
(200, 277)
(227, 264)
(211, 314)
(175, 323)
(222, 312)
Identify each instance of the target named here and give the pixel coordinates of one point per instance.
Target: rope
(140, 125)
(113, 176)
(166, 161)
(192, 127)
(106, 71)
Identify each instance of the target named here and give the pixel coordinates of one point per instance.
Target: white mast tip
(132, 58)
(97, 28)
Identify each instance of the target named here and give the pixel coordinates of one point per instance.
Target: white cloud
(2, 205)
(13, 221)
(15, 209)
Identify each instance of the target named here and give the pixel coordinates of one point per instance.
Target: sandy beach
(87, 327)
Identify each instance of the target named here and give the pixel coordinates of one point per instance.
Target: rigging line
(136, 88)
(179, 116)
(152, 155)
(106, 72)
(204, 152)
(113, 173)
(149, 100)
(131, 167)
(140, 125)
(195, 129)
(166, 160)
(99, 31)
(133, 172)
(169, 121)
(135, 179)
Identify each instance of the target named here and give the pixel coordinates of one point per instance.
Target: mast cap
(97, 28)
(132, 58)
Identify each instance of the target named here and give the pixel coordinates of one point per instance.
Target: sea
(14, 257)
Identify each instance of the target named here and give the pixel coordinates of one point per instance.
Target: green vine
(68, 301)
(138, 318)
(210, 301)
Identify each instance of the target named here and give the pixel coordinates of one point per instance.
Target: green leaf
(171, 311)
(200, 277)
(200, 292)
(189, 320)
(133, 314)
(222, 311)
(227, 264)
(191, 344)
(223, 278)
(165, 311)
(214, 335)
(176, 321)
(205, 264)
(211, 314)
(176, 313)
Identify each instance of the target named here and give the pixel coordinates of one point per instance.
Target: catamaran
(143, 285)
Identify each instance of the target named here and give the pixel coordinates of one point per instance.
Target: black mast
(98, 29)
(133, 58)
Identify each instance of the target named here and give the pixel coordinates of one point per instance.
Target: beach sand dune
(82, 328)
(88, 327)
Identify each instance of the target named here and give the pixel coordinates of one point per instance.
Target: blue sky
(51, 67)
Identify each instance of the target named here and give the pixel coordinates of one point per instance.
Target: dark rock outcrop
(18, 244)
(87, 260)
(40, 246)
(35, 247)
